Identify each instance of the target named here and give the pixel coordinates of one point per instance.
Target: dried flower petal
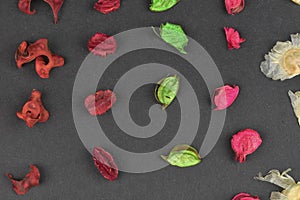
(162, 5)
(291, 188)
(296, 1)
(30, 180)
(183, 156)
(33, 111)
(174, 35)
(55, 6)
(282, 62)
(105, 164)
(233, 38)
(245, 196)
(102, 45)
(28, 52)
(225, 96)
(295, 101)
(234, 6)
(166, 90)
(24, 6)
(244, 143)
(100, 102)
(107, 6)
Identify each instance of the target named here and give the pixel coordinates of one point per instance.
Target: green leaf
(162, 5)
(166, 90)
(183, 156)
(174, 35)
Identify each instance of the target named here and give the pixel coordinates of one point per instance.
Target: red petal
(102, 45)
(55, 6)
(245, 196)
(233, 38)
(225, 96)
(107, 6)
(24, 6)
(244, 143)
(43, 69)
(105, 164)
(30, 180)
(234, 6)
(33, 111)
(100, 102)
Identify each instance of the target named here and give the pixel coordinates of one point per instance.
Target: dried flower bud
(245, 196)
(233, 38)
(244, 143)
(234, 6)
(225, 96)
(30, 180)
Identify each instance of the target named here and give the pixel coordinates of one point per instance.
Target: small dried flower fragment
(33, 111)
(166, 90)
(102, 45)
(107, 6)
(162, 5)
(174, 35)
(234, 6)
(24, 6)
(55, 6)
(283, 61)
(39, 50)
(233, 38)
(245, 196)
(100, 102)
(225, 96)
(31, 179)
(296, 1)
(244, 143)
(295, 101)
(105, 164)
(183, 156)
(291, 188)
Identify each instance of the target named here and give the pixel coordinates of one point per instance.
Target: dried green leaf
(183, 156)
(295, 101)
(166, 90)
(174, 35)
(162, 5)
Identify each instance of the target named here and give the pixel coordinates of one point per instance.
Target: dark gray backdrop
(66, 167)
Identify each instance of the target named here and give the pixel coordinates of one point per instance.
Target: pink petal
(225, 96)
(233, 38)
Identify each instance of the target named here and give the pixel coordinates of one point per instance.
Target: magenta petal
(225, 96)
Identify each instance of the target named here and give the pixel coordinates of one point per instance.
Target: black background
(66, 167)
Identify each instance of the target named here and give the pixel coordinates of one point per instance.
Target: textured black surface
(66, 167)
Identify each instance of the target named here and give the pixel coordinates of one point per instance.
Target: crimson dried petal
(24, 6)
(233, 38)
(31, 179)
(107, 6)
(244, 143)
(245, 196)
(43, 69)
(105, 164)
(33, 111)
(101, 44)
(100, 102)
(234, 6)
(55, 6)
(225, 96)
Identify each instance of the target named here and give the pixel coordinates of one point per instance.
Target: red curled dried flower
(244, 143)
(33, 111)
(234, 6)
(31, 179)
(101, 44)
(245, 196)
(38, 50)
(24, 6)
(225, 96)
(55, 6)
(233, 38)
(107, 6)
(105, 164)
(100, 102)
